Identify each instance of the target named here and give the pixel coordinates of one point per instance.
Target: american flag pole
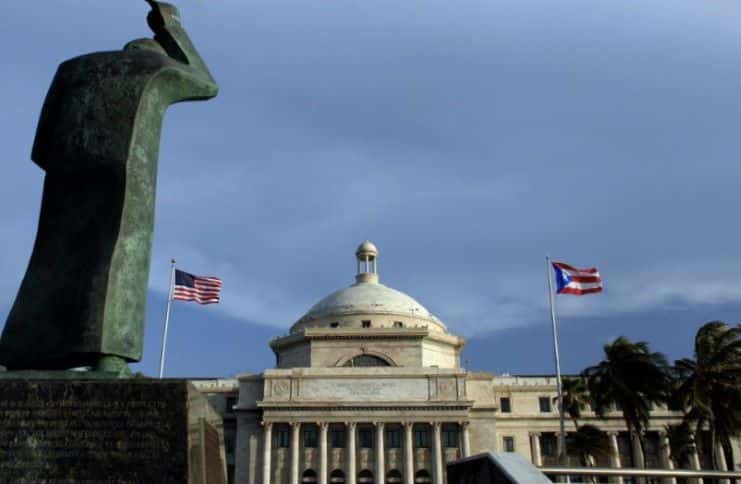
(562, 433)
(167, 316)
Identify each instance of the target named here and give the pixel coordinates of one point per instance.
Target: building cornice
(318, 334)
(361, 407)
(367, 372)
(368, 409)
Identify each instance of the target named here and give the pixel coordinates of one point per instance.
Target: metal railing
(632, 472)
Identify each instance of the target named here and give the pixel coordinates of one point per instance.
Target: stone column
(535, 449)
(438, 477)
(615, 456)
(695, 464)
(720, 462)
(323, 427)
(352, 438)
(408, 453)
(380, 461)
(666, 460)
(465, 439)
(636, 450)
(267, 430)
(295, 442)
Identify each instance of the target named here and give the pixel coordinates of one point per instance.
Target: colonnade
(638, 458)
(437, 465)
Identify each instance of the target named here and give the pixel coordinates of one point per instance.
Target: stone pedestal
(137, 430)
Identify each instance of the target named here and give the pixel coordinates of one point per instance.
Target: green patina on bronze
(82, 300)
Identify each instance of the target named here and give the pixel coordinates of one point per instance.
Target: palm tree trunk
(639, 454)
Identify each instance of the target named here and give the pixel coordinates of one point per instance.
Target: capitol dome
(368, 303)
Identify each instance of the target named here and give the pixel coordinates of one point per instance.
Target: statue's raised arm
(82, 300)
(171, 39)
(164, 20)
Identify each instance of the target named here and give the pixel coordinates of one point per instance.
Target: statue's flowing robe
(84, 292)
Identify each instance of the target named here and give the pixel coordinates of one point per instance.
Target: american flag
(570, 280)
(201, 289)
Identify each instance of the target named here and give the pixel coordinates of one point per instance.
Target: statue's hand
(162, 15)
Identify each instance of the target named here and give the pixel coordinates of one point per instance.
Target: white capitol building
(368, 388)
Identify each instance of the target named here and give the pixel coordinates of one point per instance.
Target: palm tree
(709, 387)
(575, 398)
(632, 377)
(589, 443)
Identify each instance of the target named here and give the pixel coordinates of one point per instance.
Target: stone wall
(370, 384)
(247, 451)
(295, 356)
(483, 435)
(334, 347)
(438, 354)
(328, 353)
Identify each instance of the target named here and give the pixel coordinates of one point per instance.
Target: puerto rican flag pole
(578, 282)
(167, 317)
(562, 432)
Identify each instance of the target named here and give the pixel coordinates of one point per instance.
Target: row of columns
(438, 472)
(638, 458)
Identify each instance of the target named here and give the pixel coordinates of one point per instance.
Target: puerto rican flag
(570, 280)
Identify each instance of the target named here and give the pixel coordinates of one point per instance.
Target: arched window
(367, 360)
(422, 477)
(365, 477)
(393, 477)
(337, 477)
(309, 476)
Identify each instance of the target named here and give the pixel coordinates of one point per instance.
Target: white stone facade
(368, 390)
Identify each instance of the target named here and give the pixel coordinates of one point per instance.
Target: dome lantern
(367, 255)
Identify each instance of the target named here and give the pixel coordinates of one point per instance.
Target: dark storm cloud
(468, 139)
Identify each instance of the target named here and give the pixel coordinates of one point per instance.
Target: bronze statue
(82, 300)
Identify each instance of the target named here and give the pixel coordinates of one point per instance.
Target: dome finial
(367, 255)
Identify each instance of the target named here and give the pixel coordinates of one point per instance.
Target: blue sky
(467, 139)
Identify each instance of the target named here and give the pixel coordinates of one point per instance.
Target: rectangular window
(310, 437)
(509, 444)
(393, 438)
(365, 438)
(545, 404)
(504, 405)
(334, 325)
(398, 324)
(421, 438)
(450, 437)
(367, 324)
(337, 437)
(283, 437)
